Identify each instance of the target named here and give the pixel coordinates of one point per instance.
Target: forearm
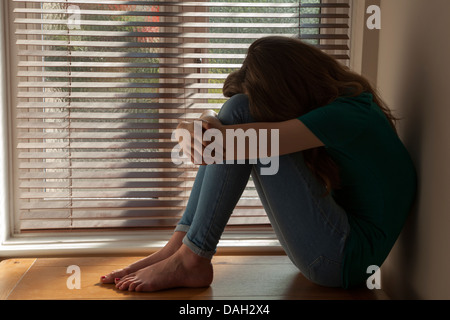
(275, 138)
(250, 141)
(259, 139)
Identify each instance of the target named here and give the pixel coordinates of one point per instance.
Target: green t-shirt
(378, 179)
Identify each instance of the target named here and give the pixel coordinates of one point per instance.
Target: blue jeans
(311, 227)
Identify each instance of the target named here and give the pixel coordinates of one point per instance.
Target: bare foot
(182, 269)
(169, 249)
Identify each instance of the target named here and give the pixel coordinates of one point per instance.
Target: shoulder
(343, 107)
(342, 119)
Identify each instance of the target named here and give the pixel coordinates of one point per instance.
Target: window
(101, 86)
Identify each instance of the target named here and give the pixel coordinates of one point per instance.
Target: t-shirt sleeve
(340, 121)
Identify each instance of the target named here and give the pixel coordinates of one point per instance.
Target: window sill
(232, 242)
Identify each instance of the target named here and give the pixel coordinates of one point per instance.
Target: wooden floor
(235, 277)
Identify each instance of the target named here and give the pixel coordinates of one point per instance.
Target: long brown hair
(286, 78)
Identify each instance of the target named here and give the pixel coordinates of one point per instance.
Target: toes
(145, 287)
(123, 283)
(110, 278)
(139, 287)
(133, 285)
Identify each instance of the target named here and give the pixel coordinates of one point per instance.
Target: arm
(294, 136)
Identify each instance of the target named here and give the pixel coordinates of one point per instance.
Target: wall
(413, 78)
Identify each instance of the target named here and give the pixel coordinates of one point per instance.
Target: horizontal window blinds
(102, 85)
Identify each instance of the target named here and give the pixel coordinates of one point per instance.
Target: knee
(235, 110)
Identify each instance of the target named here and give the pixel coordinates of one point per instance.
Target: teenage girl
(344, 187)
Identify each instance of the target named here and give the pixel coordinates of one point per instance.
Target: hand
(210, 120)
(193, 140)
(187, 133)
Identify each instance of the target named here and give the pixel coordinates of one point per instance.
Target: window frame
(235, 240)
(5, 137)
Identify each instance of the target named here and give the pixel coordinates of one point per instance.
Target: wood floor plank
(235, 277)
(11, 271)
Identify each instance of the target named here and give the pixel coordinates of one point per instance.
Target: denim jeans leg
(310, 226)
(189, 213)
(234, 111)
(216, 191)
(222, 187)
